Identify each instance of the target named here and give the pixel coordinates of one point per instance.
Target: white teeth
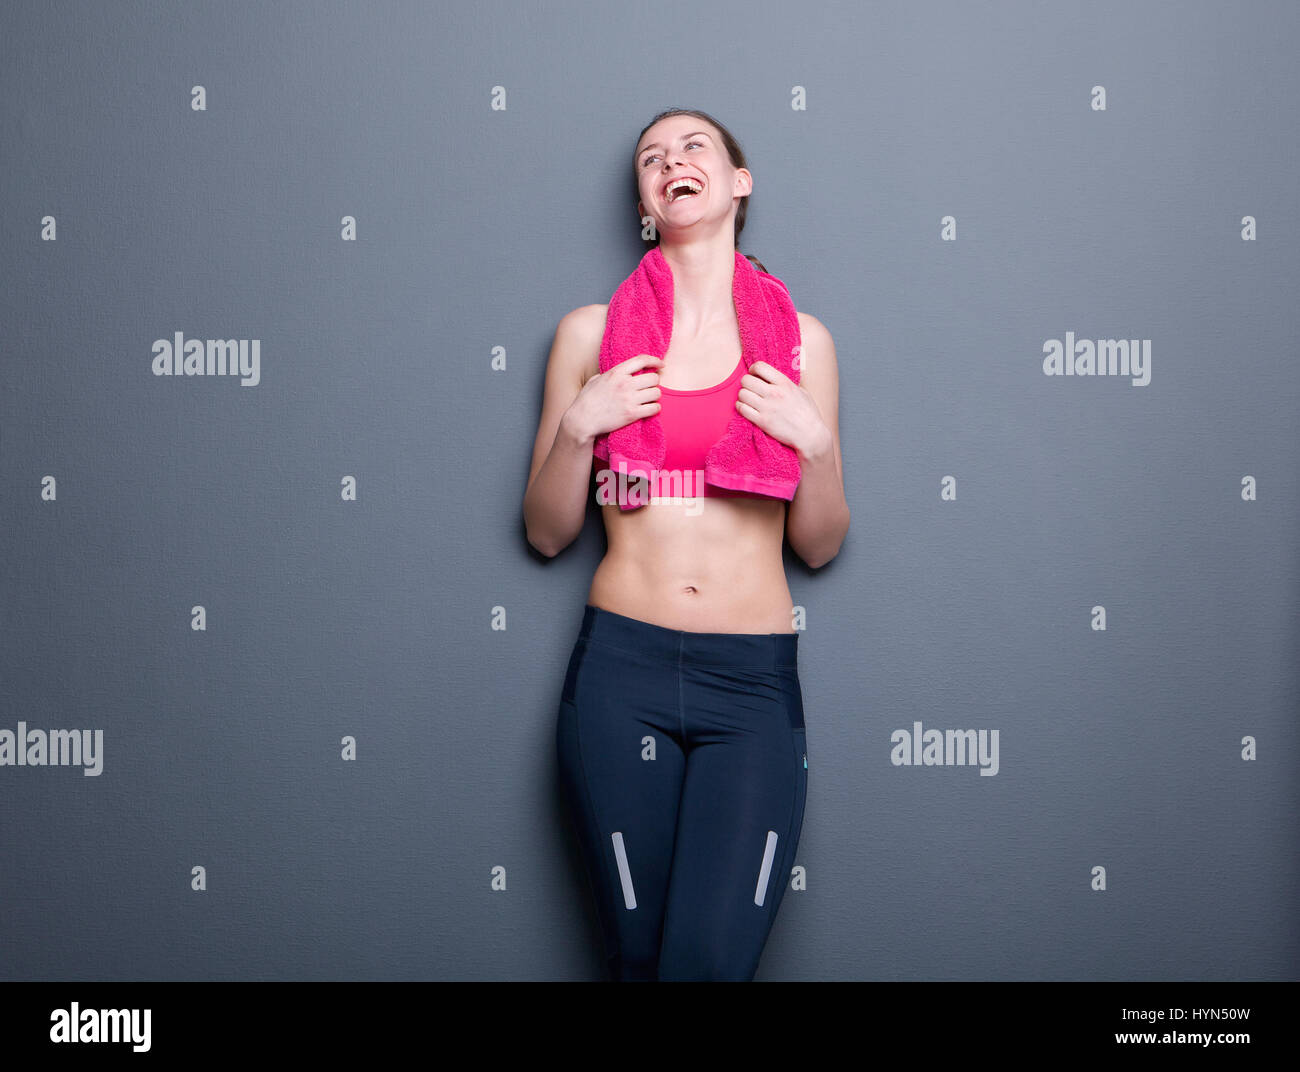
(675, 188)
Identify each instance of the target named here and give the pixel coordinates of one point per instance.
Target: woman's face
(684, 146)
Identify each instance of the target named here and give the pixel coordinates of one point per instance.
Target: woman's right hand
(617, 397)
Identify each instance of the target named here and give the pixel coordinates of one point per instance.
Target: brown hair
(734, 152)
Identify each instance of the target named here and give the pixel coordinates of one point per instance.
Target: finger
(756, 387)
(770, 372)
(641, 361)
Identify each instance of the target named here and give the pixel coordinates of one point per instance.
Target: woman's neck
(703, 278)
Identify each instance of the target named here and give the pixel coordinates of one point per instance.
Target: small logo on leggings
(805, 761)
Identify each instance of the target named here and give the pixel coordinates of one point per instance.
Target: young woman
(680, 735)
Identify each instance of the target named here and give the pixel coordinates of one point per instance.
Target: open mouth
(684, 187)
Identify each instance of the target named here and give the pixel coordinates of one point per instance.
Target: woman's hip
(622, 668)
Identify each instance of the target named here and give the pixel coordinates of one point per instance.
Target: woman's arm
(818, 516)
(555, 500)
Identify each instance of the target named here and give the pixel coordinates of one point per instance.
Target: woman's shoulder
(815, 337)
(819, 370)
(584, 329)
(587, 318)
(811, 327)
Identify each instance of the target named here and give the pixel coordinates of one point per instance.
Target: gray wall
(1119, 748)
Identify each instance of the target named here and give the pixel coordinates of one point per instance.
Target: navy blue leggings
(684, 764)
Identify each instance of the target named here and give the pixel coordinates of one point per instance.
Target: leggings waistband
(769, 650)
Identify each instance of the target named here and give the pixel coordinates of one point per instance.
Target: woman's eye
(653, 155)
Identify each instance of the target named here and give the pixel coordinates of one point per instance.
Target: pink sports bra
(693, 421)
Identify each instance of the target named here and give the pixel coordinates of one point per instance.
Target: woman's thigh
(621, 765)
(739, 818)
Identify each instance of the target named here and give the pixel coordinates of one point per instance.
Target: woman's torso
(707, 565)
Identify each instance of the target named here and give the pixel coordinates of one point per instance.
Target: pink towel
(640, 321)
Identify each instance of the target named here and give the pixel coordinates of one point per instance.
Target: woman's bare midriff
(713, 566)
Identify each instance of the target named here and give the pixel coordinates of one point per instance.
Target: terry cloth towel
(640, 321)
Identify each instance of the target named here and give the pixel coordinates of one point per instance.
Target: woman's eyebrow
(656, 145)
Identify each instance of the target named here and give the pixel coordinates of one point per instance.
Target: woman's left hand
(782, 408)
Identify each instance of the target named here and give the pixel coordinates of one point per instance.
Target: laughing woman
(680, 735)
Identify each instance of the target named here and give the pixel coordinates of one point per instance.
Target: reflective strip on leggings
(624, 875)
(760, 891)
